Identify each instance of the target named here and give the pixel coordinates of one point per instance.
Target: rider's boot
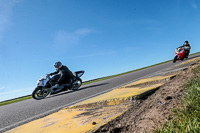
(67, 86)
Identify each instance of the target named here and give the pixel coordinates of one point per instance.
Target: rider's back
(66, 72)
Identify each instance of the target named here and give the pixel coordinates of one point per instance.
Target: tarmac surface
(15, 114)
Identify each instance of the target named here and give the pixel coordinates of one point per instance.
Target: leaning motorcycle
(45, 86)
(179, 54)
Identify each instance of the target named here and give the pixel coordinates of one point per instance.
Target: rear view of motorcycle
(45, 86)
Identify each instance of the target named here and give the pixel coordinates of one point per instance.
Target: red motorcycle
(179, 54)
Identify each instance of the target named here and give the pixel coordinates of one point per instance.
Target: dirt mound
(149, 114)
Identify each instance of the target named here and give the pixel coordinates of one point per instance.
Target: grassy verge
(15, 100)
(129, 71)
(187, 117)
(92, 81)
(195, 53)
(88, 82)
(112, 76)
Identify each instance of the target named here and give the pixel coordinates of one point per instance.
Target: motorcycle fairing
(79, 73)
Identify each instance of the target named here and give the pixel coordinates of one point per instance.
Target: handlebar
(48, 77)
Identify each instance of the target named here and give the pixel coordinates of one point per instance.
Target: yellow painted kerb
(81, 118)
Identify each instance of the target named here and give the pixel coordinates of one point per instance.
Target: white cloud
(89, 55)
(130, 49)
(16, 91)
(11, 92)
(193, 3)
(68, 39)
(83, 32)
(2, 88)
(6, 11)
(148, 21)
(103, 53)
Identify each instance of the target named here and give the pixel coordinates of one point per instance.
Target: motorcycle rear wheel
(40, 93)
(77, 84)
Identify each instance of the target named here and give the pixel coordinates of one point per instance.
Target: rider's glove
(48, 75)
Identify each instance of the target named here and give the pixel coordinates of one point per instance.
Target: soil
(151, 113)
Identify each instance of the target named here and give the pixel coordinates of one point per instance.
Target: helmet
(186, 42)
(58, 64)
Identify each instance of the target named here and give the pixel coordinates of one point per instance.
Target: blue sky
(102, 37)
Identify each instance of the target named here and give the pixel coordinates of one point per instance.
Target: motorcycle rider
(186, 46)
(65, 74)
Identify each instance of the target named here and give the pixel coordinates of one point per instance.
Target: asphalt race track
(15, 114)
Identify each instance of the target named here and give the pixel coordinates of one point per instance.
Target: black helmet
(58, 64)
(186, 42)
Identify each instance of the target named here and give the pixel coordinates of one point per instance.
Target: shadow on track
(66, 92)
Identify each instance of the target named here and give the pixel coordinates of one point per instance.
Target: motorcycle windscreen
(79, 73)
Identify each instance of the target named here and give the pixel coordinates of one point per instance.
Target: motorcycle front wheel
(175, 59)
(40, 93)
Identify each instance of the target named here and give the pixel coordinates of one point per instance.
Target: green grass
(125, 73)
(15, 100)
(186, 118)
(130, 71)
(195, 53)
(92, 81)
